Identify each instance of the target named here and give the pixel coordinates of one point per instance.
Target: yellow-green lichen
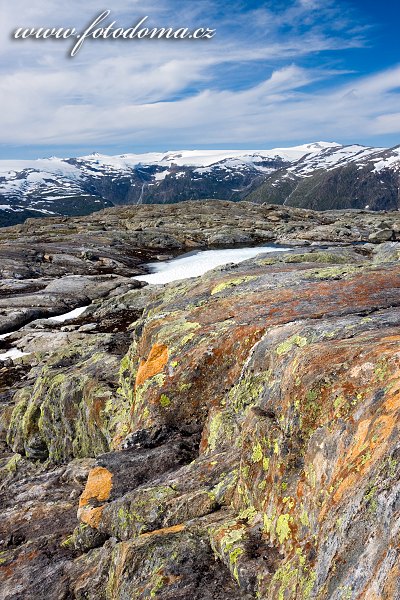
(266, 461)
(12, 464)
(231, 283)
(381, 370)
(157, 584)
(268, 522)
(248, 390)
(371, 499)
(214, 430)
(165, 401)
(248, 514)
(294, 579)
(257, 454)
(233, 536)
(290, 343)
(320, 257)
(334, 272)
(283, 530)
(304, 519)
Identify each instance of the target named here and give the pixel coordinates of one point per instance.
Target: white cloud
(170, 93)
(389, 123)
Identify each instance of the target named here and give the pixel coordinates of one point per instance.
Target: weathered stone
(72, 407)
(237, 434)
(382, 235)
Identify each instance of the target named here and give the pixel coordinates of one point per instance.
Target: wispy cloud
(254, 82)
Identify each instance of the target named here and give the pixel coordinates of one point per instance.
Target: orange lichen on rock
(392, 586)
(154, 364)
(98, 489)
(164, 531)
(373, 446)
(98, 486)
(91, 516)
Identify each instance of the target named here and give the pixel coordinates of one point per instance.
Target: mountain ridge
(81, 185)
(369, 179)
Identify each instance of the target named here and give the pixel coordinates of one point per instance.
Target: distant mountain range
(321, 176)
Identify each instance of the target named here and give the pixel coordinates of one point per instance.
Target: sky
(276, 73)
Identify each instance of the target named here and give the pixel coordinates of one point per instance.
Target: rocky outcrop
(229, 436)
(118, 241)
(33, 299)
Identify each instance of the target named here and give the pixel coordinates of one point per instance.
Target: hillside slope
(321, 176)
(344, 178)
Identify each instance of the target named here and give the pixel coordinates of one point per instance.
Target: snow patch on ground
(45, 166)
(195, 264)
(161, 176)
(13, 354)
(330, 158)
(3, 336)
(73, 314)
(387, 162)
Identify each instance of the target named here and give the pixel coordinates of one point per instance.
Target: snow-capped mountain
(57, 186)
(337, 178)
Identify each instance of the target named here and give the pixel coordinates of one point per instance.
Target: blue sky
(276, 74)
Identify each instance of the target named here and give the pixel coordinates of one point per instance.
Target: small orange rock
(91, 516)
(98, 488)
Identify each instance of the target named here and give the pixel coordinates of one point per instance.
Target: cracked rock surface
(231, 436)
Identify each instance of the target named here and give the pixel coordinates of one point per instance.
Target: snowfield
(195, 264)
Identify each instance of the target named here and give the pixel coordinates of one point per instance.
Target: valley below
(201, 401)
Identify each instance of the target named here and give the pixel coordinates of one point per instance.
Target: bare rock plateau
(229, 436)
